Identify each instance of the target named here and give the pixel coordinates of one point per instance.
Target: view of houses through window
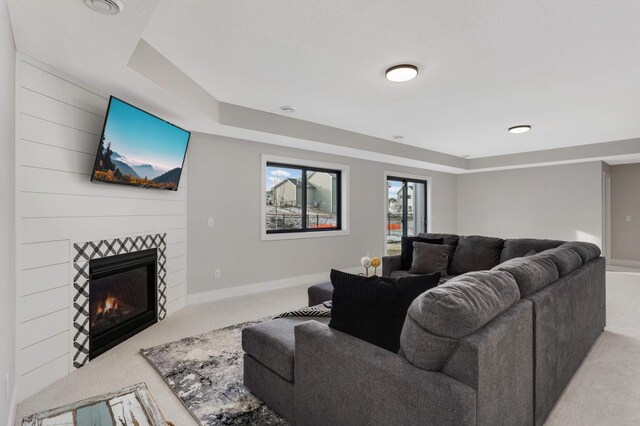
(301, 199)
(406, 210)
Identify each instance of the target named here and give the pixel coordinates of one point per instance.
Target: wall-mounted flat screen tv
(140, 149)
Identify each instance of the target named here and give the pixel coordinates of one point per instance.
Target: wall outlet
(628, 218)
(217, 273)
(210, 222)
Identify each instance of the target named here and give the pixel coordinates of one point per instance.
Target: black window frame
(303, 209)
(405, 201)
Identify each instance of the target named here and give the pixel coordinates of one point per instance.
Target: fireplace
(122, 298)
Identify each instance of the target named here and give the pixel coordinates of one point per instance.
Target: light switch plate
(210, 222)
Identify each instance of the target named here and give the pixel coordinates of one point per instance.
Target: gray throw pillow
(429, 258)
(476, 253)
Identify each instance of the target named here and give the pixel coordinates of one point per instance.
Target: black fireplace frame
(102, 267)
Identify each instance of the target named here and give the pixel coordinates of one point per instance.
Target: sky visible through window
(394, 188)
(275, 175)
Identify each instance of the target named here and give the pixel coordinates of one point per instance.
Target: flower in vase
(366, 264)
(375, 262)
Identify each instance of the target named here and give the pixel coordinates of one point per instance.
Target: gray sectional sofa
(494, 345)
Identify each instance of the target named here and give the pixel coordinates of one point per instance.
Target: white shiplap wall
(59, 122)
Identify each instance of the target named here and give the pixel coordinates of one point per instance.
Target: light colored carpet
(605, 391)
(124, 365)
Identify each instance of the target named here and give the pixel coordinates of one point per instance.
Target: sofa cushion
(319, 293)
(373, 308)
(410, 287)
(406, 253)
(532, 273)
(439, 318)
(519, 247)
(447, 239)
(400, 273)
(565, 259)
(476, 253)
(586, 251)
(429, 258)
(272, 343)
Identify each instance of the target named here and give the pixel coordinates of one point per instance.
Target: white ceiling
(570, 68)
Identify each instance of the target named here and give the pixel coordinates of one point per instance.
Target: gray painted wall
(225, 183)
(625, 201)
(560, 202)
(7, 209)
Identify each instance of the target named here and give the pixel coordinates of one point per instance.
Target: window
(302, 199)
(406, 210)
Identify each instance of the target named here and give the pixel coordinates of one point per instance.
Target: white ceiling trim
(150, 63)
(566, 68)
(291, 132)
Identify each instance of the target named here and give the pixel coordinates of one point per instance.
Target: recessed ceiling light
(398, 137)
(523, 128)
(107, 7)
(288, 109)
(401, 73)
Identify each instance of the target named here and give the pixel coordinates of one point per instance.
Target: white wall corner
(13, 405)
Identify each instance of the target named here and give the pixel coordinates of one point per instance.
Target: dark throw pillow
(406, 253)
(373, 308)
(476, 253)
(430, 258)
(410, 287)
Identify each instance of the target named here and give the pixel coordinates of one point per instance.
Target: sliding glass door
(406, 210)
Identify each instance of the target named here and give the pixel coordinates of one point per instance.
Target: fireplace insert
(122, 298)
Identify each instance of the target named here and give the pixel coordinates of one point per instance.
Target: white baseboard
(627, 263)
(13, 405)
(226, 293)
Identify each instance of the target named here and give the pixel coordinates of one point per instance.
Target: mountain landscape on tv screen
(113, 167)
(137, 148)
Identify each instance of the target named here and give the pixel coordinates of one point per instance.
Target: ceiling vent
(287, 109)
(107, 7)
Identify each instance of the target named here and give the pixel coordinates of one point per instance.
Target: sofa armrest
(342, 380)
(390, 264)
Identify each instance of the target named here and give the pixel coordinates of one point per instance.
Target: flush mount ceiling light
(107, 7)
(401, 73)
(523, 128)
(287, 109)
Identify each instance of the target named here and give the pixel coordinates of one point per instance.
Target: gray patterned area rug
(205, 372)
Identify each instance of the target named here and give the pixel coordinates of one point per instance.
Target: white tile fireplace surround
(87, 251)
(58, 126)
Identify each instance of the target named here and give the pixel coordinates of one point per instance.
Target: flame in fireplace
(109, 304)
